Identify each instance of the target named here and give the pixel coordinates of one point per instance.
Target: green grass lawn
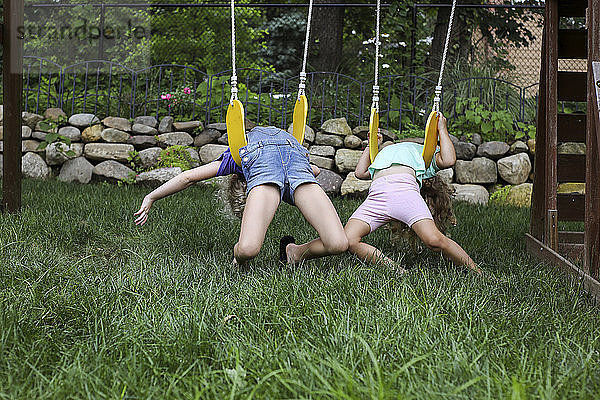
(92, 306)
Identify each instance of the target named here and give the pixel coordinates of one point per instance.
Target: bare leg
(437, 241)
(355, 230)
(318, 210)
(260, 208)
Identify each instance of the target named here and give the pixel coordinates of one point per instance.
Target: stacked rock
(101, 150)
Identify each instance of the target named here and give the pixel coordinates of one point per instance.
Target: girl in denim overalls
(275, 167)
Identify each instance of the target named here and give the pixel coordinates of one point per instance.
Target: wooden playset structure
(12, 75)
(577, 253)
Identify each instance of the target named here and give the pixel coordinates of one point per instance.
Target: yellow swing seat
(373, 130)
(431, 137)
(236, 131)
(299, 121)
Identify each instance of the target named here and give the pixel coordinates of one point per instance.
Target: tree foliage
(273, 38)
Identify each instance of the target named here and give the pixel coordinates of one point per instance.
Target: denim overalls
(274, 156)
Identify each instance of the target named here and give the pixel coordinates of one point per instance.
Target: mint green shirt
(408, 154)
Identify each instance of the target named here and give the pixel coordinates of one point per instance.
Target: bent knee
(247, 250)
(337, 245)
(353, 244)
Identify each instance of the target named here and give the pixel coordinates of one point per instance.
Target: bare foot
(290, 253)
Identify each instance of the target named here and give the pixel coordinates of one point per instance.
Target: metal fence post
(101, 38)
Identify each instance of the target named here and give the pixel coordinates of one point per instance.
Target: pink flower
(187, 90)
(168, 96)
(162, 96)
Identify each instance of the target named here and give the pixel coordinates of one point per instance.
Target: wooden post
(538, 197)
(591, 258)
(551, 142)
(12, 64)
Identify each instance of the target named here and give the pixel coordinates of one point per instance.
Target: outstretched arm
(174, 185)
(446, 157)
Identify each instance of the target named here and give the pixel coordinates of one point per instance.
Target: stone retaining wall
(101, 149)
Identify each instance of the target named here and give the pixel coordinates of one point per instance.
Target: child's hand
(442, 123)
(142, 214)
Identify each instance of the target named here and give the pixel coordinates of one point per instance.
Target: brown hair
(438, 197)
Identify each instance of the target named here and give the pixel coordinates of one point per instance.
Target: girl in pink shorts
(398, 173)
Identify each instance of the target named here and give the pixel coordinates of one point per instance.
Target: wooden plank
(571, 127)
(572, 86)
(551, 25)
(538, 195)
(570, 237)
(12, 74)
(572, 43)
(552, 230)
(571, 251)
(543, 252)
(571, 168)
(572, 8)
(571, 207)
(591, 259)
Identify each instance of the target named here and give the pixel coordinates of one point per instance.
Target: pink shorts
(393, 197)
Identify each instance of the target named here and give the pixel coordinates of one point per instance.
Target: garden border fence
(108, 88)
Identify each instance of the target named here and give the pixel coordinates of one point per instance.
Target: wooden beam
(552, 234)
(543, 252)
(538, 196)
(571, 168)
(571, 207)
(570, 237)
(572, 86)
(571, 127)
(552, 91)
(591, 259)
(571, 251)
(12, 70)
(572, 43)
(572, 8)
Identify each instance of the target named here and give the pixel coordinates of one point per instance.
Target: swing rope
(375, 103)
(302, 84)
(234, 89)
(438, 88)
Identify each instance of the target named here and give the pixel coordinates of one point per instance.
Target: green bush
(499, 196)
(473, 117)
(175, 156)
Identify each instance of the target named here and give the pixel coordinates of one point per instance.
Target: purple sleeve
(228, 165)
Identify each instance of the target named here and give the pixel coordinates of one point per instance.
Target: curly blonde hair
(233, 195)
(438, 197)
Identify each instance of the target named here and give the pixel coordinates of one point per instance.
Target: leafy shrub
(525, 130)
(53, 136)
(175, 156)
(500, 195)
(134, 161)
(410, 130)
(473, 117)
